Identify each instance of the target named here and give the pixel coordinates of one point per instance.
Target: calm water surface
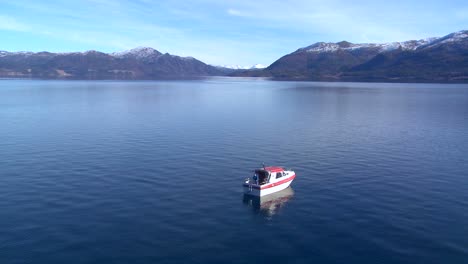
(151, 172)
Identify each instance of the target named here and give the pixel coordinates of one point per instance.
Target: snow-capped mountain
(238, 67)
(443, 59)
(138, 53)
(344, 45)
(7, 53)
(432, 59)
(138, 63)
(383, 47)
(258, 66)
(451, 38)
(410, 45)
(234, 67)
(144, 53)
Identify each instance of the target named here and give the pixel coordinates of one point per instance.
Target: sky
(229, 32)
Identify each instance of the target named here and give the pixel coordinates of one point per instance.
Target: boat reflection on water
(269, 205)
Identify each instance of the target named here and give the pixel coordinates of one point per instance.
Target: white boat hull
(269, 204)
(256, 190)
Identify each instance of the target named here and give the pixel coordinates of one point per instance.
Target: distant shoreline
(234, 78)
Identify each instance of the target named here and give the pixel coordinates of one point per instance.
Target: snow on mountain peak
(405, 45)
(4, 53)
(239, 67)
(332, 47)
(258, 66)
(145, 53)
(450, 38)
(187, 58)
(139, 53)
(234, 67)
(457, 36)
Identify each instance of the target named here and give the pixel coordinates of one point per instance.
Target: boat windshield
(262, 176)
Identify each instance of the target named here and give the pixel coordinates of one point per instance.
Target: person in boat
(262, 176)
(255, 177)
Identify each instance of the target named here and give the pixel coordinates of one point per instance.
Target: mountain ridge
(443, 59)
(137, 63)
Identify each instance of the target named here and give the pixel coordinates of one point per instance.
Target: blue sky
(220, 32)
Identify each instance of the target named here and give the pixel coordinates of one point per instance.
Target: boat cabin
(268, 174)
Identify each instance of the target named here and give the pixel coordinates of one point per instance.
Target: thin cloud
(235, 12)
(462, 14)
(224, 32)
(11, 24)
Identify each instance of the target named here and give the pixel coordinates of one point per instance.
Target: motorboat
(268, 180)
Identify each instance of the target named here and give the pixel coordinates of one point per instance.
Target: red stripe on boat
(263, 187)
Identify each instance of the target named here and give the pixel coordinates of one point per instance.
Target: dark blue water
(151, 172)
